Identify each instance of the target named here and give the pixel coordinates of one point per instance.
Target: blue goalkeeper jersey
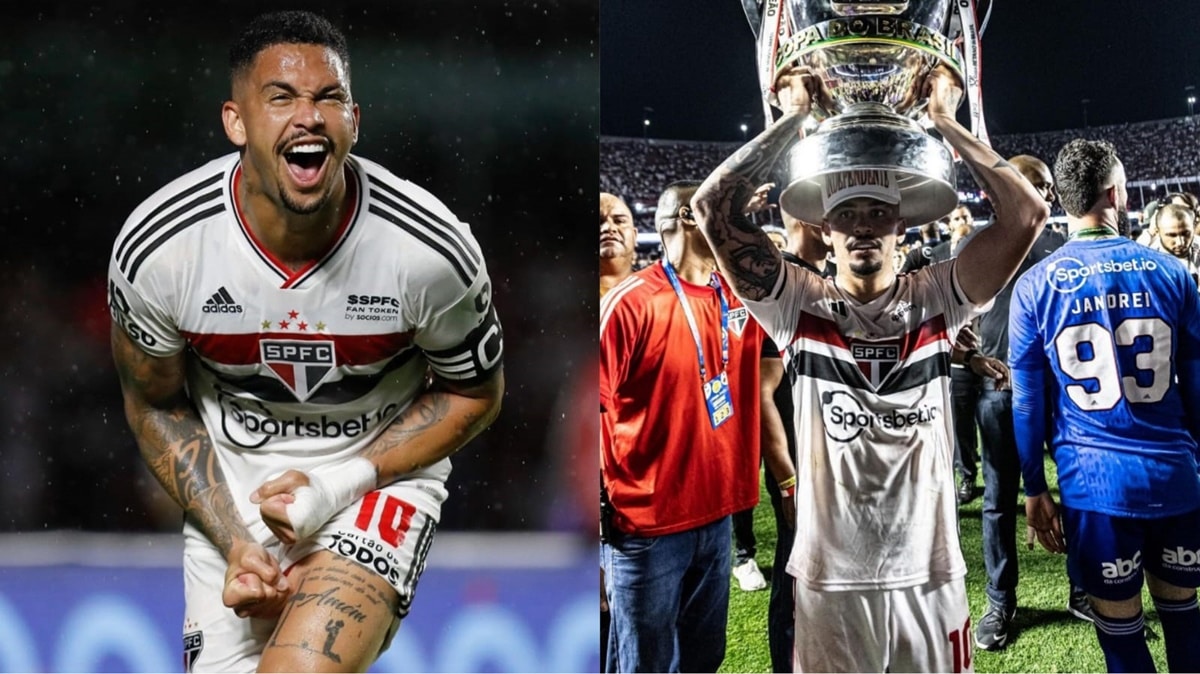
(1104, 339)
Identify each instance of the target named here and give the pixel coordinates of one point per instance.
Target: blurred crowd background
(491, 106)
(1160, 157)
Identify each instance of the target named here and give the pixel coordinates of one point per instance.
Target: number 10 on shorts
(393, 517)
(960, 641)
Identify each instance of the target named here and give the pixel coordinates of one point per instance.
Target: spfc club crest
(193, 643)
(737, 320)
(876, 360)
(302, 365)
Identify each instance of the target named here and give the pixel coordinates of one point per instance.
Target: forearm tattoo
(745, 254)
(175, 444)
(179, 452)
(985, 177)
(436, 424)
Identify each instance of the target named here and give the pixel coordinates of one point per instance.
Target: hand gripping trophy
(871, 58)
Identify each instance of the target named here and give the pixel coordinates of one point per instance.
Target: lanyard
(691, 319)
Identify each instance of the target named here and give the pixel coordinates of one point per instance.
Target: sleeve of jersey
(1028, 367)
(140, 309)
(773, 311)
(463, 342)
(618, 320)
(957, 297)
(1188, 357)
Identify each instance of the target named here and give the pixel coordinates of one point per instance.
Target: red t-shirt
(666, 468)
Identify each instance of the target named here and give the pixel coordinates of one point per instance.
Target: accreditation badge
(716, 396)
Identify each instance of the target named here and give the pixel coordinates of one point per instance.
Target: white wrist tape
(330, 489)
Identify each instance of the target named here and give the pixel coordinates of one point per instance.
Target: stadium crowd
(1160, 156)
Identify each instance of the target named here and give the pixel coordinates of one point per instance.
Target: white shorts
(388, 531)
(916, 629)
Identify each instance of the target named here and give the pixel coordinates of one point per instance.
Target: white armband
(329, 490)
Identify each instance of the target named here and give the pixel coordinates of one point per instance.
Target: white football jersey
(876, 504)
(293, 369)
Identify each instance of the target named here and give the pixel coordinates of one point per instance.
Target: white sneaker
(749, 578)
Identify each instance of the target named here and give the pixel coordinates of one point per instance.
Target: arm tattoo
(982, 176)
(435, 425)
(746, 256)
(424, 412)
(183, 460)
(174, 442)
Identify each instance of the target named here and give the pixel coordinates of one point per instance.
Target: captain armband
(476, 357)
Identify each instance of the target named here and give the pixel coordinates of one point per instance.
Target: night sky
(692, 61)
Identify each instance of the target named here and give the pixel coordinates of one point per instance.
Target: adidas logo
(222, 303)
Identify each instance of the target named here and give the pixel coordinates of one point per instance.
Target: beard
(1123, 227)
(867, 268)
(298, 208)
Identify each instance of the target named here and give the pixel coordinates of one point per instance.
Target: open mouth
(305, 161)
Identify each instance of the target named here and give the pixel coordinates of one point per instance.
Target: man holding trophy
(880, 578)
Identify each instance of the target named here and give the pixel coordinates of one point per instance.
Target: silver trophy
(872, 58)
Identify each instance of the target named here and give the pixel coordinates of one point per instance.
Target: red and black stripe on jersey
(223, 354)
(820, 350)
(349, 388)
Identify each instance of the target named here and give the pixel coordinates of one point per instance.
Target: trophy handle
(753, 9)
(966, 21)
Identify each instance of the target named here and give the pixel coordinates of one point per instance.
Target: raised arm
(744, 253)
(177, 448)
(993, 255)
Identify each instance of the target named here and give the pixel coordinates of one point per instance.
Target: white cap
(878, 184)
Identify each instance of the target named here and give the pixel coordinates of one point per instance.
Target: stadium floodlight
(744, 130)
(1191, 101)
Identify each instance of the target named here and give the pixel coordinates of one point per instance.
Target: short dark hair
(286, 27)
(1177, 212)
(1081, 172)
(1187, 198)
(668, 203)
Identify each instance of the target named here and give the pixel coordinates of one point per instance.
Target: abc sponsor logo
(845, 418)
(1181, 557)
(1121, 569)
(1068, 274)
